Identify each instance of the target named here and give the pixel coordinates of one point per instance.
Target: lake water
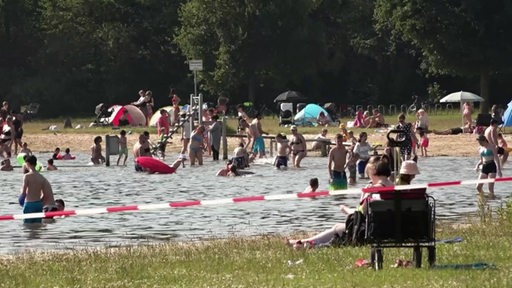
(92, 187)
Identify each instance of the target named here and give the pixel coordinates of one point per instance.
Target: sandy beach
(440, 145)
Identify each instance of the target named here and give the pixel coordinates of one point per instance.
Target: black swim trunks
(489, 168)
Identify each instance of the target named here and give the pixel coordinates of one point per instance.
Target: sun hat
(409, 167)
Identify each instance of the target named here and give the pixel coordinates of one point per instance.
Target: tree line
(70, 55)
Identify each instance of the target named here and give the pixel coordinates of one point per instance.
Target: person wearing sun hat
(408, 171)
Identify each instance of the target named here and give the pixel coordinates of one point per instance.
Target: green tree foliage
(327, 49)
(70, 55)
(93, 51)
(371, 66)
(19, 38)
(463, 38)
(123, 46)
(243, 43)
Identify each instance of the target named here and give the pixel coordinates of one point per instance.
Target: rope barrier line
(225, 201)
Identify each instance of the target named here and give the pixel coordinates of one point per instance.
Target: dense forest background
(70, 55)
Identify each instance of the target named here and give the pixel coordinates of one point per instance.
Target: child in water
(25, 149)
(58, 205)
(96, 156)
(283, 150)
(241, 157)
(313, 185)
(6, 165)
(56, 154)
(123, 147)
(50, 166)
(67, 155)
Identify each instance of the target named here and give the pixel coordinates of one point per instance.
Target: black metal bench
(406, 218)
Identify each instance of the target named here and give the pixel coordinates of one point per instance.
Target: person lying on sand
(455, 131)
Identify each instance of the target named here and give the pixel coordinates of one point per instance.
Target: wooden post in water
(271, 147)
(107, 150)
(224, 140)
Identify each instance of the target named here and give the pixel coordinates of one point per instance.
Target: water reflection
(88, 187)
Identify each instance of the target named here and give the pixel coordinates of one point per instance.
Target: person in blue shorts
(36, 191)
(257, 134)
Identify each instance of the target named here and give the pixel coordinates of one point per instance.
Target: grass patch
(263, 262)
(270, 124)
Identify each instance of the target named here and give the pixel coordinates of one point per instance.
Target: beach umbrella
(461, 97)
(290, 96)
(507, 116)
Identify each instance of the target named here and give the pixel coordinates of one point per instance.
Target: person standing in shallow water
(298, 147)
(215, 132)
(123, 147)
(491, 133)
(36, 191)
(96, 157)
(283, 151)
(337, 164)
(196, 146)
(490, 163)
(256, 131)
(361, 153)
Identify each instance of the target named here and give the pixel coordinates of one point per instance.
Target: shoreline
(443, 227)
(463, 145)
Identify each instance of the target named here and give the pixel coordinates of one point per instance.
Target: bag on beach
(354, 234)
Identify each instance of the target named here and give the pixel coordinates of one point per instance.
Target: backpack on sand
(354, 234)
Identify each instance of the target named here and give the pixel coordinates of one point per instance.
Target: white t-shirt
(363, 150)
(320, 136)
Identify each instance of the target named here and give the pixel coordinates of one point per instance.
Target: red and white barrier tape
(222, 201)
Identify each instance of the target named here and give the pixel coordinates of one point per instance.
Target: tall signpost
(195, 65)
